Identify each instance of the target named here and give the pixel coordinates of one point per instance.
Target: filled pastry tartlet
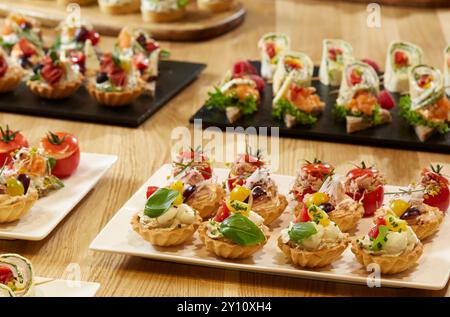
(366, 184)
(235, 233)
(26, 54)
(77, 44)
(193, 177)
(16, 195)
(34, 163)
(10, 142)
(215, 5)
(16, 276)
(250, 177)
(401, 56)
(163, 10)
(436, 191)
(313, 242)
(53, 78)
(335, 55)
(358, 103)
(391, 244)
(63, 150)
(10, 73)
(427, 107)
(119, 6)
(16, 27)
(296, 101)
(271, 46)
(116, 83)
(165, 220)
(237, 97)
(342, 209)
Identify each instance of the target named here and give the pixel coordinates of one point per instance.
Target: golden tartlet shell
(226, 249)
(11, 79)
(271, 214)
(115, 99)
(15, 211)
(162, 237)
(388, 264)
(54, 92)
(207, 203)
(166, 16)
(313, 259)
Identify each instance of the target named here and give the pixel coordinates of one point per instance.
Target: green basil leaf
(301, 231)
(380, 240)
(241, 230)
(160, 202)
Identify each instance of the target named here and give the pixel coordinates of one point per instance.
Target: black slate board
(398, 134)
(173, 77)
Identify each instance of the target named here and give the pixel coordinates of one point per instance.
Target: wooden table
(142, 151)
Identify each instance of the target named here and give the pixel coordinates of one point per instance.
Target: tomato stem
(7, 135)
(55, 139)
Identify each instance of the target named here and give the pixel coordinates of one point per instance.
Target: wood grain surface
(142, 151)
(196, 25)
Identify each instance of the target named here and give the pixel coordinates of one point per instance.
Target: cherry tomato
(317, 169)
(151, 190)
(94, 37)
(223, 213)
(63, 147)
(206, 172)
(51, 72)
(361, 171)
(300, 197)
(373, 233)
(10, 141)
(232, 182)
(441, 200)
(401, 59)
(26, 47)
(371, 200)
(243, 68)
(386, 100)
(5, 275)
(303, 216)
(271, 50)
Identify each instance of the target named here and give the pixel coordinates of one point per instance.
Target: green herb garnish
(158, 203)
(241, 230)
(283, 107)
(301, 231)
(219, 100)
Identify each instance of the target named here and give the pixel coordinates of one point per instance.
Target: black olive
(37, 68)
(81, 34)
(141, 40)
(327, 207)
(189, 191)
(25, 62)
(411, 213)
(25, 25)
(25, 180)
(258, 192)
(101, 77)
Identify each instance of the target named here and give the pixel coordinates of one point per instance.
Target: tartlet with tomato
(193, 177)
(313, 242)
(239, 93)
(296, 101)
(16, 195)
(391, 243)
(116, 83)
(366, 184)
(16, 27)
(10, 73)
(249, 172)
(234, 234)
(26, 54)
(10, 141)
(54, 78)
(166, 220)
(358, 102)
(64, 150)
(332, 199)
(33, 162)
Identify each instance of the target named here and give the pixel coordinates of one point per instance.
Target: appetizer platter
(316, 225)
(40, 185)
(344, 100)
(72, 80)
(17, 279)
(165, 20)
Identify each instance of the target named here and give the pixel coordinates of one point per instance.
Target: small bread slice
(289, 120)
(423, 132)
(233, 113)
(355, 124)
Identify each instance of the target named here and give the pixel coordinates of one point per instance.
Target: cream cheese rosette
(427, 108)
(272, 46)
(335, 55)
(357, 102)
(401, 56)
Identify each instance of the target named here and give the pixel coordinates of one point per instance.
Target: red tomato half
(10, 141)
(371, 201)
(318, 170)
(63, 147)
(441, 200)
(303, 216)
(223, 213)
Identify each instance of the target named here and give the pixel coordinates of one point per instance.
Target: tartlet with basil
(166, 220)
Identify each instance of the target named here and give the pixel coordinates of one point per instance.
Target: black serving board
(173, 77)
(397, 134)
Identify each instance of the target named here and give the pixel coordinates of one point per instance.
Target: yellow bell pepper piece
(395, 224)
(178, 186)
(399, 207)
(178, 200)
(240, 193)
(236, 206)
(317, 199)
(319, 216)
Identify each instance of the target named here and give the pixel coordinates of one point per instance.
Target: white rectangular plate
(49, 211)
(46, 287)
(432, 271)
